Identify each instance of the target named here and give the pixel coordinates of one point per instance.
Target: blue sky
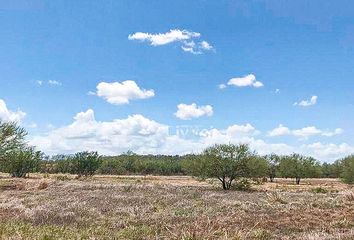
(53, 53)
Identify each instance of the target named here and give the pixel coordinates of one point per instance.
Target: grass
(149, 207)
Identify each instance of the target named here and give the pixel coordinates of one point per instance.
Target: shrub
(319, 190)
(242, 185)
(86, 163)
(62, 178)
(348, 169)
(21, 162)
(262, 234)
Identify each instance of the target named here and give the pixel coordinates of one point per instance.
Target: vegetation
(21, 162)
(225, 162)
(273, 165)
(171, 207)
(298, 167)
(348, 169)
(86, 163)
(16, 158)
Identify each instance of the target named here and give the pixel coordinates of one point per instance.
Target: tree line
(226, 162)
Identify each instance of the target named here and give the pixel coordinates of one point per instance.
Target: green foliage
(348, 169)
(242, 185)
(21, 162)
(298, 166)
(12, 137)
(86, 163)
(195, 165)
(273, 165)
(332, 170)
(226, 162)
(16, 157)
(319, 190)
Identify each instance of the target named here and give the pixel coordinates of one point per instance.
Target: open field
(151, 207)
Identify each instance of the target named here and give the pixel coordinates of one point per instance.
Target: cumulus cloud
(7, 115)
(328, 152)
(279, 131)
(305, 132)
(187, 112)
(246, 81)
(122, 92)
(146, 136)
(184, 37)
(307, 103)
(85, 133)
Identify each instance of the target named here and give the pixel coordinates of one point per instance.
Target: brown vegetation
(150, 207)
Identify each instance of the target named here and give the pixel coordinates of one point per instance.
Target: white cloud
(246, 81)
(7, 115)
(205, 45)
(307, 103)
(122, 92)
(307, 132)
(145, 136)
(54, 82)
(279, 131)
(328, 152)
(187, 112)
(222, 86)
(157, 39)
(337, 131)
(49, 82)
(85, 133)
(174, 35)
(304, 133)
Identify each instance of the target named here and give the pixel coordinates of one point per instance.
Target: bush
(319, 190)
(86, 163)
(62, 178)
(21, 162)
(242, 185)
(348, 170)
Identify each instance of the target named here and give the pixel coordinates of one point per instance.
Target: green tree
(273, 165)
(12, 137)
(298, 167)
(348, 169)
(16, 157)
(226, 162)
(86, 163)
(21, 162)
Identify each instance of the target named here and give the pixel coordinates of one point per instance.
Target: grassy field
(150, 207)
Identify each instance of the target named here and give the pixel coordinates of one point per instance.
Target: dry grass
(150, 207)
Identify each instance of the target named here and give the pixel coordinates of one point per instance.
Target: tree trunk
(224, 184)
(297, 180)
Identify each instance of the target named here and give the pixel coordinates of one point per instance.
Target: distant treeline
(132, 164)
(125, 164)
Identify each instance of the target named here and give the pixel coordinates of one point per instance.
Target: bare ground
(151, 207)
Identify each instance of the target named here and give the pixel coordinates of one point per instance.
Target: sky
(174, 77)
